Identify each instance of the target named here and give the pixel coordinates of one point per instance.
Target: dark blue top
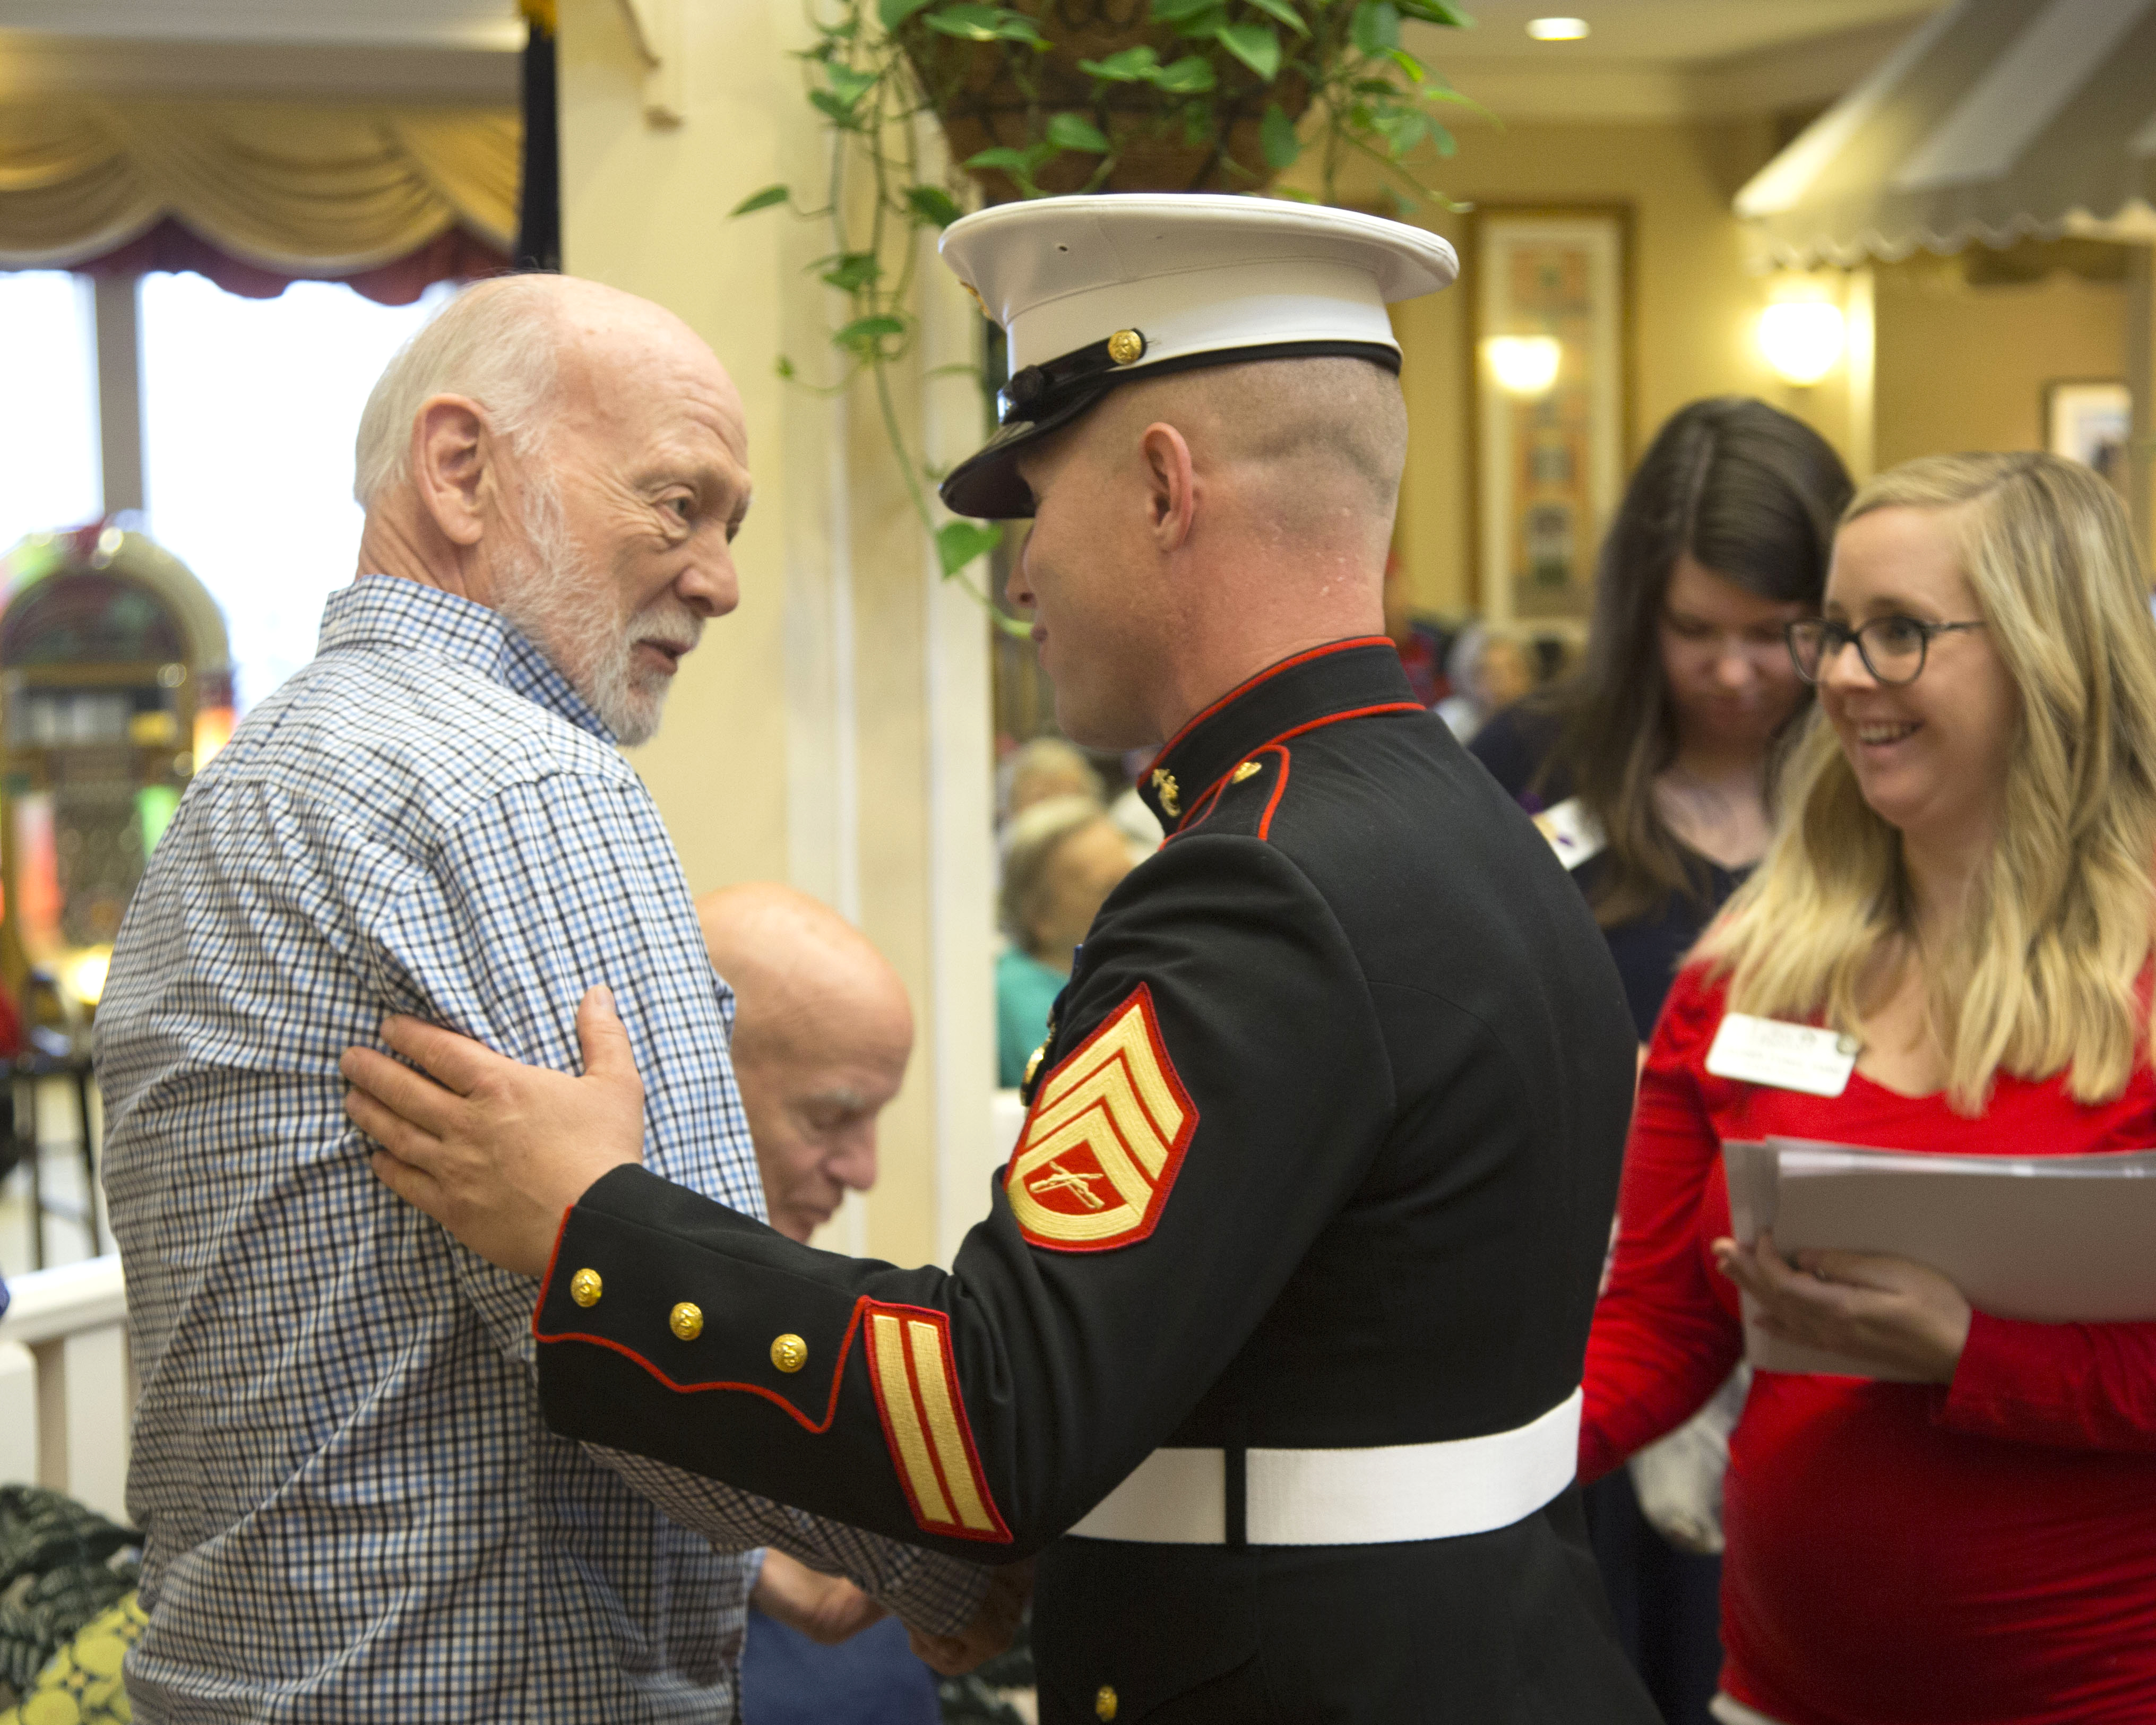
(873, 1679)
(1514, 745)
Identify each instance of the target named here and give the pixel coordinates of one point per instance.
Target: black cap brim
(987, 485)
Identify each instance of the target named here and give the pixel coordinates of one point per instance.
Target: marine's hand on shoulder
(827, 1609)
(1867, 1305)
(992, 1630)
(495, 1151)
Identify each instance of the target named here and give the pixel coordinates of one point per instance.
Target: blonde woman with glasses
(1963, 878)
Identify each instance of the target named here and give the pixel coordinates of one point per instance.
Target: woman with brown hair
(1663, 744)
(1963, 887)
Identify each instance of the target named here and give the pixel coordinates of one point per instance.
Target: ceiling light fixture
(1557, 29)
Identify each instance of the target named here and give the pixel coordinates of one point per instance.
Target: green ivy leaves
(1326, 83)
(957, 543)
(761, 200)
(1276, 135)
(1074, 131)
(984, 23)
(1257, 46)
(932, 205)
(1190, 76)
(864, 336)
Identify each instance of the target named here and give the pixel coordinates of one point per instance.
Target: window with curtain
(48, 453)
(248, 412)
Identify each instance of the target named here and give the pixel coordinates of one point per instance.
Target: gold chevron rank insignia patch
(1104, 1140)
(925, 1425)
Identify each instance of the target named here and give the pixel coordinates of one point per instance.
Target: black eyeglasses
(1893, 648)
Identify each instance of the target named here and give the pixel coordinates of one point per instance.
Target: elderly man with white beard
(353, 1510)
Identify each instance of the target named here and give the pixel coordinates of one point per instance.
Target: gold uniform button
(1033, 1064)
(686, 1320)
(585, 1287)
(1249, 769)
(789, 1353)
(1125, 347)
(1104, 1703)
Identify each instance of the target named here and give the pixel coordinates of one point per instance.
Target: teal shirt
(1025, 989)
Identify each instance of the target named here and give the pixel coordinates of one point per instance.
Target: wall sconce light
(1557, 29)
(83, 975)
(1802, 339)
(1524, 365)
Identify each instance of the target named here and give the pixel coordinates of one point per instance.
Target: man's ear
(451, 451)
(1171, 485)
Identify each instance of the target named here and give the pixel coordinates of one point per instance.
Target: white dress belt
(1374, 1496)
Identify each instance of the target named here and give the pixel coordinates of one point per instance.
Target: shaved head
(822, 1034)
(1321, 442)
(1194, 528)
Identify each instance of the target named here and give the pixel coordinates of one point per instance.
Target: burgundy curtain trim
(452, 255)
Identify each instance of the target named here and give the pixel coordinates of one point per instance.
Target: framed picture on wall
(2090, 420)
(1550, 329)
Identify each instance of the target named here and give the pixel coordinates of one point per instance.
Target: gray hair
(1046, 757)
(1030, 842)
(496, 342)
(1465, 660)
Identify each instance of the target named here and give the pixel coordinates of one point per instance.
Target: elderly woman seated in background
(1043, 768)
(1962, 878)
(1061, 859)
(1488, 670)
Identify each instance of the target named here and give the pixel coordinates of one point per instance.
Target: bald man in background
(821, 1035)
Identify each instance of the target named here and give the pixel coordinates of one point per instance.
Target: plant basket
(997, 95)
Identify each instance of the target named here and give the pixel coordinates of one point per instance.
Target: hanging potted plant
(1038, 97)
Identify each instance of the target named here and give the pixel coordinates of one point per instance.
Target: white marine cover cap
(1094, 290)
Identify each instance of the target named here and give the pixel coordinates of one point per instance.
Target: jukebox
(115, 685)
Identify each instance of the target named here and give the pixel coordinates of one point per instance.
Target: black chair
(56, 1045)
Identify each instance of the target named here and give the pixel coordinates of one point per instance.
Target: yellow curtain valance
(305, 190)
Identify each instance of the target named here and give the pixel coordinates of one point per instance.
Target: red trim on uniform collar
(1271, 671)
(1209, 799)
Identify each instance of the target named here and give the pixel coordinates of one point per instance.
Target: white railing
(67, 1385)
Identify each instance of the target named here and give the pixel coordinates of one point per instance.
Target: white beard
(572, 618)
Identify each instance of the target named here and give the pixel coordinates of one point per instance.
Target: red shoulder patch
(1105, 1139)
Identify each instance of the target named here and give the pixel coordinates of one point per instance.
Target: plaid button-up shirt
(353, 1508)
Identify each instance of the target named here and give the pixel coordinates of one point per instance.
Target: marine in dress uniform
(1270, 1344)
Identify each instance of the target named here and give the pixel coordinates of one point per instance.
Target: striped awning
(1997, 120)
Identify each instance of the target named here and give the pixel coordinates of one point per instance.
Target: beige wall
(1964, 368)
(640, 209)
(1692, 304)
(1956, 369)
(832, 731)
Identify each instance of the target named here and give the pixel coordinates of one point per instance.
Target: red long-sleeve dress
(1979, 1554)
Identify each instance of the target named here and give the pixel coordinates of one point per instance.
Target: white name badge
(1574, 834)
(1786, 1056)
